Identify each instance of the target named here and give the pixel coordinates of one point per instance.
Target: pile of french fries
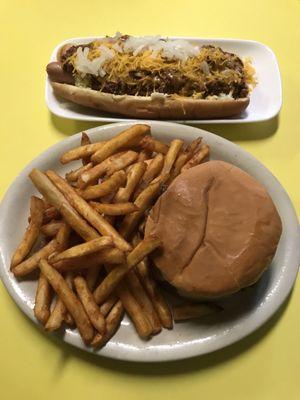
(93, 265)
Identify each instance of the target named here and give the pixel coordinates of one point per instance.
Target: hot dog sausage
(57, 74)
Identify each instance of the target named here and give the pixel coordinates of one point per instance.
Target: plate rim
(116, 119)
(178, 353)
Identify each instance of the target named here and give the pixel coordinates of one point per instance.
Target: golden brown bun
(219, 228)
(157, 106)
(62, 51)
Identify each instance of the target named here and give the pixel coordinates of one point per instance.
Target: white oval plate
(243, 313)
(265, 100)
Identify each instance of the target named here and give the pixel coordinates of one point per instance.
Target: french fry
(72, 176)
(108, 304)
(193, 147)
(112, 323)
(110, 282)
(144, 155)
(46, 204)
(69, 299)
(107, 187)
(153, 170)
(69, 320)
(192, 311)
(114, 209)
(143, 201)
(31, 263)
(110, 256)
(69, 278)
(42, 300)
(32, 231)
(107, 167)
(47, 189)
(50, 213)
(85, 140)
(122, 162)
(80, 152)
(134, 176)
(134, 311)
(91, 277)
(83, 249)
(170, 159)
(108, 198)
(150, 144)
(110, 219)
(78, 224)
(159, 303)
(51, 229)
(142, 249)
(142, 298)
(88, 212)
(141, 227)
(58, 200)
(89, 304)
(98, 171)
(63, 236)
(125, 139)
(179, 163)
(197, 158)
(141, 322)
(59, 312)
(148, 162)
(56, 317)
(183, 158)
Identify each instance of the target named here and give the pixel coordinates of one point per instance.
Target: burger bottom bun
(219, 229)
(157, 106)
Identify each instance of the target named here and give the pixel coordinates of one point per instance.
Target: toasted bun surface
(156, 106)
(219, 228)
(61, 52)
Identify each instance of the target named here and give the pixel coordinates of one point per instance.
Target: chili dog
(152, 77)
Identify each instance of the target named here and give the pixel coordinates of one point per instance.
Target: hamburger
(219, 228)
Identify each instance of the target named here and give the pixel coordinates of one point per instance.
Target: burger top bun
(219, 228)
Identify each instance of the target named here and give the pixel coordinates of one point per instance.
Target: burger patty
(172, 81)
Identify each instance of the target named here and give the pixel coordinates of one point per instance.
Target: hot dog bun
(62, 51)
(157, 106)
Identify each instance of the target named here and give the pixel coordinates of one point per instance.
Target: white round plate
(243, 312)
